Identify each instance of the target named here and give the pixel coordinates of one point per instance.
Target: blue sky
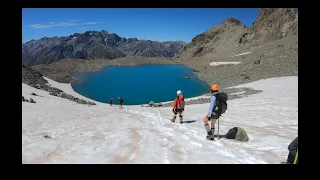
(157, 24)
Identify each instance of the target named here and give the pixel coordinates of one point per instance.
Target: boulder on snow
(32, 101)
(34, 94)
(152, 104)
(47, 136)
(159, 104)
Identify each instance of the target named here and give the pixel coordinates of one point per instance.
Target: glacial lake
(139, 84)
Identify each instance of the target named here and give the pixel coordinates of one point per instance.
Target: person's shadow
(192, 121)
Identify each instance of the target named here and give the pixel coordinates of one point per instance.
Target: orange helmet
(215, 87)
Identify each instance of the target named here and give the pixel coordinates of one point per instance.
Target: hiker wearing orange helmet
(211, 115)
(178, 106)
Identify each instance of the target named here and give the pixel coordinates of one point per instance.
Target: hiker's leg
(214, 118)
(213, 122)
(174, 115)
(181, 115)
(205, 120)
(206, 124)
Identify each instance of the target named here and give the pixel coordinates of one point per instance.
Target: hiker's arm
(212, 104)
(175, 103)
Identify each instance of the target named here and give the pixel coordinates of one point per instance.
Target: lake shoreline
(233, 93)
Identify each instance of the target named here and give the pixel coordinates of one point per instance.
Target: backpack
(221, 103)
(232, 133)
(181, 102)
(237, 133)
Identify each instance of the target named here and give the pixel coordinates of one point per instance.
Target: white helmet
(179, 92)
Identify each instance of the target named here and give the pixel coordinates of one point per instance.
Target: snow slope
(223, 63)
(104, 134)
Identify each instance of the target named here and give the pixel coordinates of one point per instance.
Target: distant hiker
(120, 102)
(178, 106)
(293, 152)
(111, 101)
(217, 107)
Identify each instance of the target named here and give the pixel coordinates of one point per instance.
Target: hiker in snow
(178, 106)
(120, 102)
(111, 101)
(217, 106)
(293, 152)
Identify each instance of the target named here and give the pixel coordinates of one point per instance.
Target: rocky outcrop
(216, 41)
(26, 100)
(153, 104)
(231, 36)
(271, 24)
(33, 78)
(94, 45)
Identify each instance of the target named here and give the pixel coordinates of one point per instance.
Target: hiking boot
(181, 119)
(212, 131)
(210, 136)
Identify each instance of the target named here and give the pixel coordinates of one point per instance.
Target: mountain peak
(233, 20)
(104, 32)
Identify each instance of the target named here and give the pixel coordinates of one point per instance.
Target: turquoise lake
(139, 84)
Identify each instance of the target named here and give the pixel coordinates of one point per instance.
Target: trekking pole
(218, 129)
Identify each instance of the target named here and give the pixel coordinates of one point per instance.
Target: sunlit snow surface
(104, 134)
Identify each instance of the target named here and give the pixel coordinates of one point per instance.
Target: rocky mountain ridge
(94, 45)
